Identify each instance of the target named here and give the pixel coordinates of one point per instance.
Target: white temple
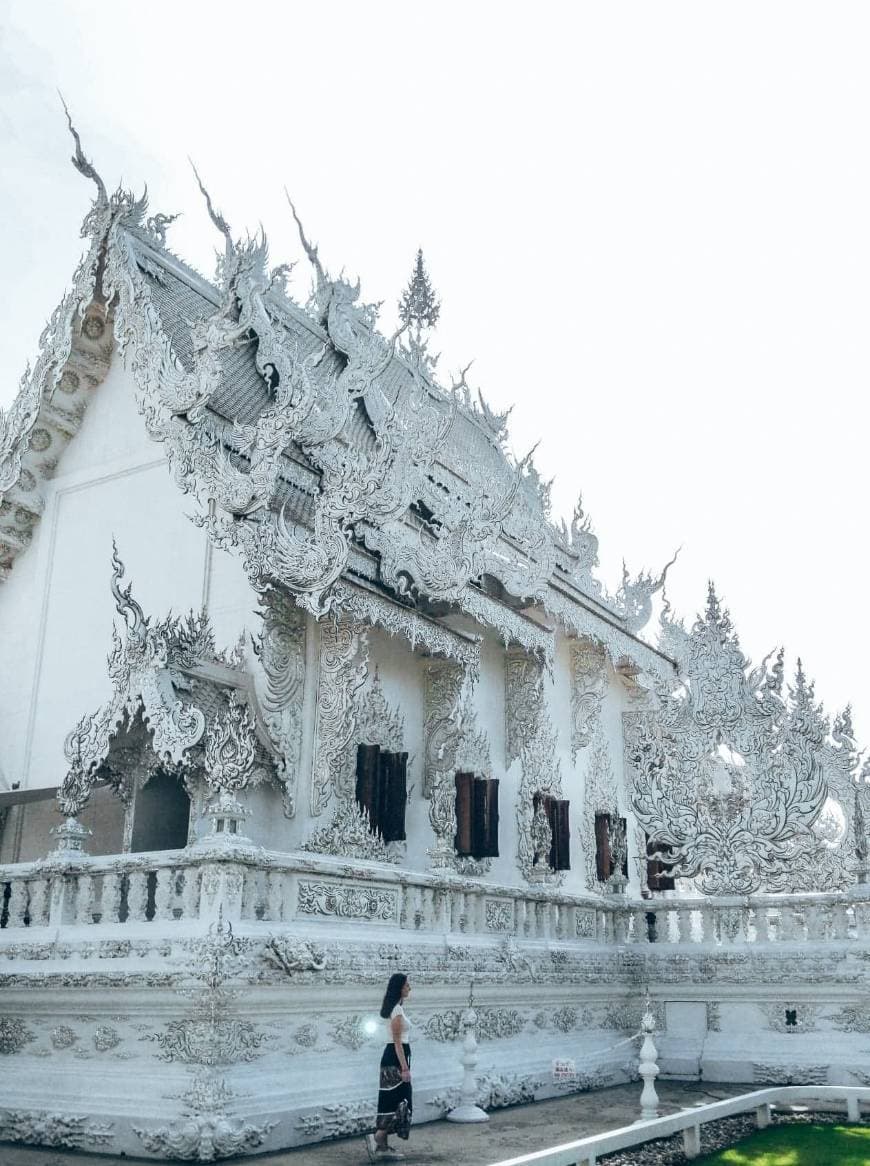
(402, 726)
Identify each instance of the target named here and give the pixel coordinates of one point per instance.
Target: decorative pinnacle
(309, 248)
(419, 304)
(84, 165)
(215, 216)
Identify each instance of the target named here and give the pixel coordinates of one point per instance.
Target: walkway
(509, 1132)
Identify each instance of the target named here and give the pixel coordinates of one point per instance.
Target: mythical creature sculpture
(727, 773)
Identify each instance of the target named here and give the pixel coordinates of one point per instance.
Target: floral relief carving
(588, 686)
(337, 1121)
(14, 1035)
(726, 772)
(347, 902)
(281, 650)
(60, 1131)
(343, 668)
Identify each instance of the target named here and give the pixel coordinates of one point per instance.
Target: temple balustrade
(193, 886)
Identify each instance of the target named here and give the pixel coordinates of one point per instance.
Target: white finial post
(648, 1068)
(468, 1109)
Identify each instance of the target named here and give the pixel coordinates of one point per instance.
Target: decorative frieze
(61, 1131)
(347, 902)
(203, 1137)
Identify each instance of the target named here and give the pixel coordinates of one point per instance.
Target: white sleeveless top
(406, 1024)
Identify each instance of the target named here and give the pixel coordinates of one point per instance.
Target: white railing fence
(587, 1151)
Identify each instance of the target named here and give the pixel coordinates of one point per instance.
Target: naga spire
(419, 304)
(126, 605)
(215, 216)
(309, 248)
(84, 165)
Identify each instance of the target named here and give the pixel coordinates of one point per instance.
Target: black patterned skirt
(394, 1094)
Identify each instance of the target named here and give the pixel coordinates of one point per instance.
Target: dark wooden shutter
(367, 780)
(479, 818)
(464, 837)
(396, 797)
(491, 828)
(602, 847)
(560, 850)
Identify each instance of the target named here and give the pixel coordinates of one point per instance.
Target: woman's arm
(396, 1030)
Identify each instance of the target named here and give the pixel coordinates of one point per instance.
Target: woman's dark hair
(393, 994)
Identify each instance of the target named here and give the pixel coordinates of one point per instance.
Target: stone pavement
(509, 1132)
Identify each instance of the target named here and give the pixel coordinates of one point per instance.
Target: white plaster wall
(56, 609)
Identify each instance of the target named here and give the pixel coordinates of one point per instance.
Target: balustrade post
(18, 899)
(762, 924)
(708, 923)
(221, 886)
(137, 896)
(520, 918)
(39, 901)
(163, 893)
(111, 894)
(839, 921)
(274, 897)
(468, 1110)
(190, 893)
(84, 912)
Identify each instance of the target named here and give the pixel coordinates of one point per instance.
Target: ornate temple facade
(301, 685)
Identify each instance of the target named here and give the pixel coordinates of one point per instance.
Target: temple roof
(324, 446)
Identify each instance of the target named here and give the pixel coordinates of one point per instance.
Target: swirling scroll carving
(727, 773)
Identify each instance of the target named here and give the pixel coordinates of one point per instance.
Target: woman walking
(394, 1094)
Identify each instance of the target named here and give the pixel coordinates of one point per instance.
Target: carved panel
(524, 678)
(588, 686)
(343, 665)
(379, 905)
(281, 650)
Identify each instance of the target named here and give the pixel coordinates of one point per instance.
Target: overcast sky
(648, 224)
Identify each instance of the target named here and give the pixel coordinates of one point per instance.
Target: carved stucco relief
(343, 669)
(588, 686)
(280, 686)
(453, 742)
(531, 737)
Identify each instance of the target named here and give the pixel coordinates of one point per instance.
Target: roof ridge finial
(419, 303)
(215, 216)
(309, 248)
(84, 165)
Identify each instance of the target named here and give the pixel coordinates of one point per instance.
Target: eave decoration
(726, 772)
(176, 704)
(354, 439)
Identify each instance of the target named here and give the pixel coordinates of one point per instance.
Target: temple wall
(56, 613)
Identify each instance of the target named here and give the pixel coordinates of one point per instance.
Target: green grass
(798, 1145)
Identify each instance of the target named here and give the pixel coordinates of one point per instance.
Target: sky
(649, 225)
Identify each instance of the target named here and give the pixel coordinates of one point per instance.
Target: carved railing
(731, 921)
(253, 886)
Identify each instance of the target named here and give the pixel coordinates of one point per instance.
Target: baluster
(275, 897)
(520, 918)
(190, 893)
(110, 898)
(839, 921)
(762, 924)
(708, 924)
(39, 900)
(84, 912)
(684, 925)
(18, 900)
(540, 920)
(862, 920)
(639, 932)
(458, 917)
(137, 896)
(559, 921)
(815, 921)
(163, 892)
(786, 922)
